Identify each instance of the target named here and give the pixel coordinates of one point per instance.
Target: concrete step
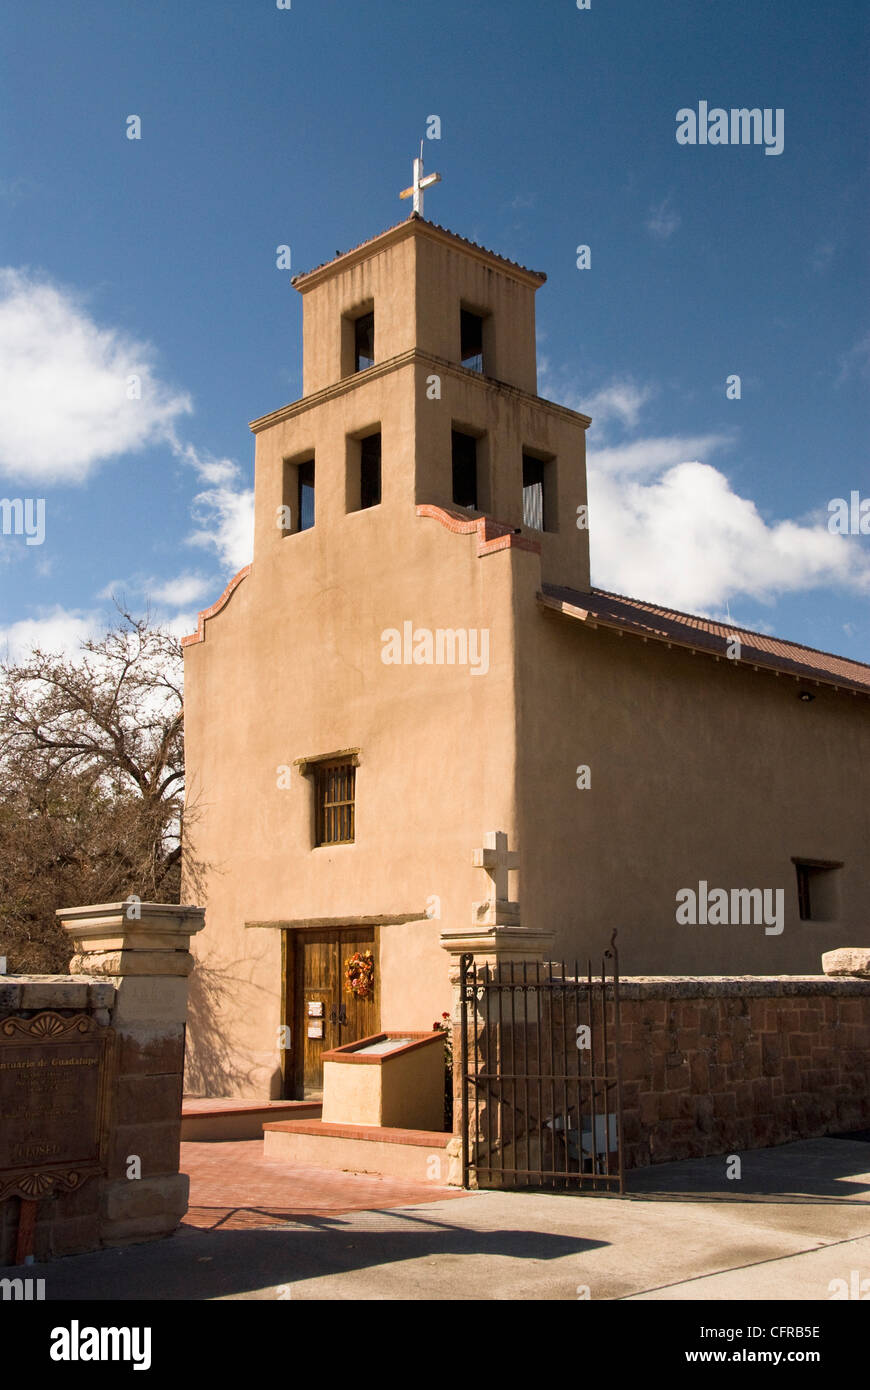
(216, 1118)
(419, 1155)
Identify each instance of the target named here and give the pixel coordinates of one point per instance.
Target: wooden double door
(321, 1012)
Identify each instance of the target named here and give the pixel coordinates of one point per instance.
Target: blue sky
(263, 127)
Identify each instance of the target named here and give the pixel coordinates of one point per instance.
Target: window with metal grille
(364, 342)
(335, 791)
(533, 492)
(464, 470)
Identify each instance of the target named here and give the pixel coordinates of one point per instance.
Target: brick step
(418, 1155)
(217, 1118)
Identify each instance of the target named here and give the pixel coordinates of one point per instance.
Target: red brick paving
(235, 1187)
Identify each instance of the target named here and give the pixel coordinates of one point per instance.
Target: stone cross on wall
(498, 861)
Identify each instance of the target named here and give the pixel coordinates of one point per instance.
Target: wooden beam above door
(321, 923)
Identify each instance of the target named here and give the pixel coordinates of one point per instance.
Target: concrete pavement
(797, 1219)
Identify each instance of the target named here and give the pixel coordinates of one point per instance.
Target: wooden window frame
(318, 768)
(334, 803)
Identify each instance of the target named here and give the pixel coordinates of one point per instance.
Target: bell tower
(420, 389)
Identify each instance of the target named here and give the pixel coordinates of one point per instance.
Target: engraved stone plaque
(53, 1097)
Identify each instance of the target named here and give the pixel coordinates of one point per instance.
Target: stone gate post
(142, 949)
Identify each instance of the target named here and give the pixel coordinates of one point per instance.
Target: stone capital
(132, 937)
(496, 943)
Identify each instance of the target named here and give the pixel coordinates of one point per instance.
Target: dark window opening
(305, 500)
(370, 471)
(471, 340)
(364, 342)
(803, 886)
(335, 793)
(534, 514)
(818, 890)
(464, 470)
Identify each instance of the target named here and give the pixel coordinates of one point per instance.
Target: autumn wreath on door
(359, 974)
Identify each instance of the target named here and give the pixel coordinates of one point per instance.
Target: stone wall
(132, 979)
(719, 1065)
(709, 1065)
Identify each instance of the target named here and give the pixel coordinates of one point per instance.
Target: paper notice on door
(315, 1008)
(315, 1030)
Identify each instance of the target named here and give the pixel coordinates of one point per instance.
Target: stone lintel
(382, 919)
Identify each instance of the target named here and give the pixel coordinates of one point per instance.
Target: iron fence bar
(539, 1069)
(477, 1058)
(513, 1069)
(590, 1014)
(490, 1090)
(566, 1121)
(509, 1074)
(617, 1028)
(528, 1134)
(465, 962)
(604, 1097)
(552, 1087)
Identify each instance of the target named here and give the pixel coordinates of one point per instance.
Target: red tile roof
(415, 217)
(649, 620)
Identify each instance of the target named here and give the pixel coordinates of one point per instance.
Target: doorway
(321, 1011)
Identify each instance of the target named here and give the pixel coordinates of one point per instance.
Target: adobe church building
(416, 658)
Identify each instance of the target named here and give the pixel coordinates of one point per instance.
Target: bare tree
(91, 783)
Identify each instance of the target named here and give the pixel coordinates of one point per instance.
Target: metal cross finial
(416, 189)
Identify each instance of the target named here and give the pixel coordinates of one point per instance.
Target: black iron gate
(540, 1066)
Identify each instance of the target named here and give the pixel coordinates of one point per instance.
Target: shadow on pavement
(834, 1170)
(197, 1265)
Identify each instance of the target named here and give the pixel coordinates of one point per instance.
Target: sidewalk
(797, 1219)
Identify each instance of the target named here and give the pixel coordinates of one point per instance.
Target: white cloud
(64, 407)
(58, 631)
(210, 469)
(676, 533)
(226, 524)
(620, 400)
(649, 456)
(182, 624)
(663, 219)
(184, 589)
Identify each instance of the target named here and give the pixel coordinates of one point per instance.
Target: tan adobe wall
(699, 770)
(290, 668)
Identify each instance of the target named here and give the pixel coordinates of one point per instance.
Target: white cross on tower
(416, 189)
(498, 860)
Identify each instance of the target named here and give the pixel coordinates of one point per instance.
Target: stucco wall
(699, 770)
(290, 668)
